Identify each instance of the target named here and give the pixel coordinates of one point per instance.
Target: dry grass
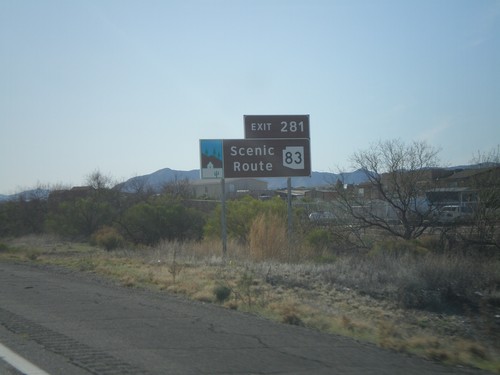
(267, 238)
(389, 300)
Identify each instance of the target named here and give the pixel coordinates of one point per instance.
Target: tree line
(395, 173)
(102, 213)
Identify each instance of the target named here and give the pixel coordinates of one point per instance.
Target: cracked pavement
(69, 322)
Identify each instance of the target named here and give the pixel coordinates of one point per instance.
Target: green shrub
(80, 218)
(319, 239)
(222, 293)
(240, 216)
(150, 222)
(292, 319)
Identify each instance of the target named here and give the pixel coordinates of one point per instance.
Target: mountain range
(156, 180)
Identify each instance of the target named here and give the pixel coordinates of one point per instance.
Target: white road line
(19, 362)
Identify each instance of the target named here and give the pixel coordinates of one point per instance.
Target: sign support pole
(223, 218)
(289, 203)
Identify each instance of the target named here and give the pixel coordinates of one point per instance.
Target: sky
(130, 87)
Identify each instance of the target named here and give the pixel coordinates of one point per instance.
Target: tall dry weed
(268, 238)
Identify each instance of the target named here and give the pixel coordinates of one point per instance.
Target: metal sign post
(289, 216)
(223, 218)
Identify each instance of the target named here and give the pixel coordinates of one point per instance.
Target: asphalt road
(72, 323)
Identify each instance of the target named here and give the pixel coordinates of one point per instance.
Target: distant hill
(26, 195)
(156, 180)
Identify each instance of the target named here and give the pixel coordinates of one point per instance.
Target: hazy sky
(129, 87)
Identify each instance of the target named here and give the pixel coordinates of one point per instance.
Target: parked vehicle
(453, 213)
(321, 216)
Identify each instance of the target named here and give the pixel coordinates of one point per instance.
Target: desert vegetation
(408, 297)
(405, 285)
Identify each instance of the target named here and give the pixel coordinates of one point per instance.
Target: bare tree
(99, 181)
(485, 230)
(140, 188)
(393, 197)
(178, 188)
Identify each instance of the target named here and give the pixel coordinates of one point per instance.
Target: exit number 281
(292, 126)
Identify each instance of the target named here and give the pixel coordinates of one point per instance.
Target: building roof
(467, 173)
(449, 189)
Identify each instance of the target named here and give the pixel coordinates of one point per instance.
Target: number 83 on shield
(293, 157)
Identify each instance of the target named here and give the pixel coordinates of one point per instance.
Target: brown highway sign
(266, 157)
(276, 126)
